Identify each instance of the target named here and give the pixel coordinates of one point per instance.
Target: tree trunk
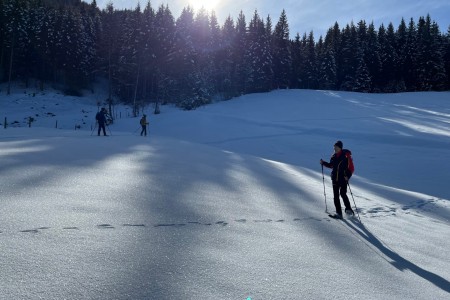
(8, 91)
(135, 110)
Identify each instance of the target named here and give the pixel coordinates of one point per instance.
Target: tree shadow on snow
(396, 260)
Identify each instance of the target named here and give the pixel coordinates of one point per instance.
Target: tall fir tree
(297, 62)
(402, 54)
(282, 59)
(258, 57)
(348, 61)
(224, 60)
(388, 58)
(372, 57)
(431, 70)
(362, 80)
(164, 55)
(327, 62)
(239, 54)
(447, 56)
(310, 67)
(411, 58)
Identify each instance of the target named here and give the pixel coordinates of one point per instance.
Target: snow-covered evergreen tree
(282, 59)
(224, 60)
(363, 81)
(388, 58)
(431, 70)
(410, 57)
(447, 56)
(327, 68)
(372, 57)
(310, 63)
(164, 56)
(348, 62)
(258, 57)
(297, 62)
(240, 48)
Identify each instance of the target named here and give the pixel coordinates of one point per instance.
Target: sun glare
(208, 5)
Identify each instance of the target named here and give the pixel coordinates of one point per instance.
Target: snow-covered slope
(225, 202)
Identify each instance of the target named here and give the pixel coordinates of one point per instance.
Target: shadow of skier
(397, 261)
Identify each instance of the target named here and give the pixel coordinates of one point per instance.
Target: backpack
(97, 116)
(350, 166)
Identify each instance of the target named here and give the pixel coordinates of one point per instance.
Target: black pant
(340, 188)
(101, 126)
(144, 129)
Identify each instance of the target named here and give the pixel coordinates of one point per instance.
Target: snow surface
(227, 201)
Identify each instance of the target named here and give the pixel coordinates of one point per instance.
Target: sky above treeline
(309, 15)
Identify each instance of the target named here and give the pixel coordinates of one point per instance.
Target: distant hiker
(144, 124)
(101, 120)
(342, 164)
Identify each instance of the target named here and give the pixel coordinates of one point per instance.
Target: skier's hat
(339, 144)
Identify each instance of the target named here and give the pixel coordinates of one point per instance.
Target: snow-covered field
(227, 201)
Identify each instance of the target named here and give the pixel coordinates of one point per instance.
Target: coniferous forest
(148, 55)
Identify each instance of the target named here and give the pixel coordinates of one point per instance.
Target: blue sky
(306, 15)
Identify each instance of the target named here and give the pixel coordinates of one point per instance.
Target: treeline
(148, 55)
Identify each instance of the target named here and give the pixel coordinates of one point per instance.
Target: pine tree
(431, 71)
(223, 59)
(401, 49)
(108, 43)
(372, 57)
(388, 58)
(310, 63)
(282, 59)
(202, 85)
(348, 62)
(327, 68)
(239, 54)
(147, 59)
(2, 40)
(129, 70)
(447, 56)
(42, 23)
(411, 58)
(363, 81)
(329, 59)
(258, 57)
(14, 27)
(297, 62)
(184, 57)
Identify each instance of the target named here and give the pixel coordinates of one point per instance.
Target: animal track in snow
(174, 225)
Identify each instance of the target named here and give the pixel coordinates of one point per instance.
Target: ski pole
(95, 126)
(109, 130)
(324, 193)
(356, 208)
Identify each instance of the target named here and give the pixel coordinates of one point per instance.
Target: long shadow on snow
(397, 261)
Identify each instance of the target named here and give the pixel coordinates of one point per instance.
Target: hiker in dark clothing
(342, 165)
(101, 120)
(144, 124)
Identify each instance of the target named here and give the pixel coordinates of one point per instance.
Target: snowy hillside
(227, 201)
